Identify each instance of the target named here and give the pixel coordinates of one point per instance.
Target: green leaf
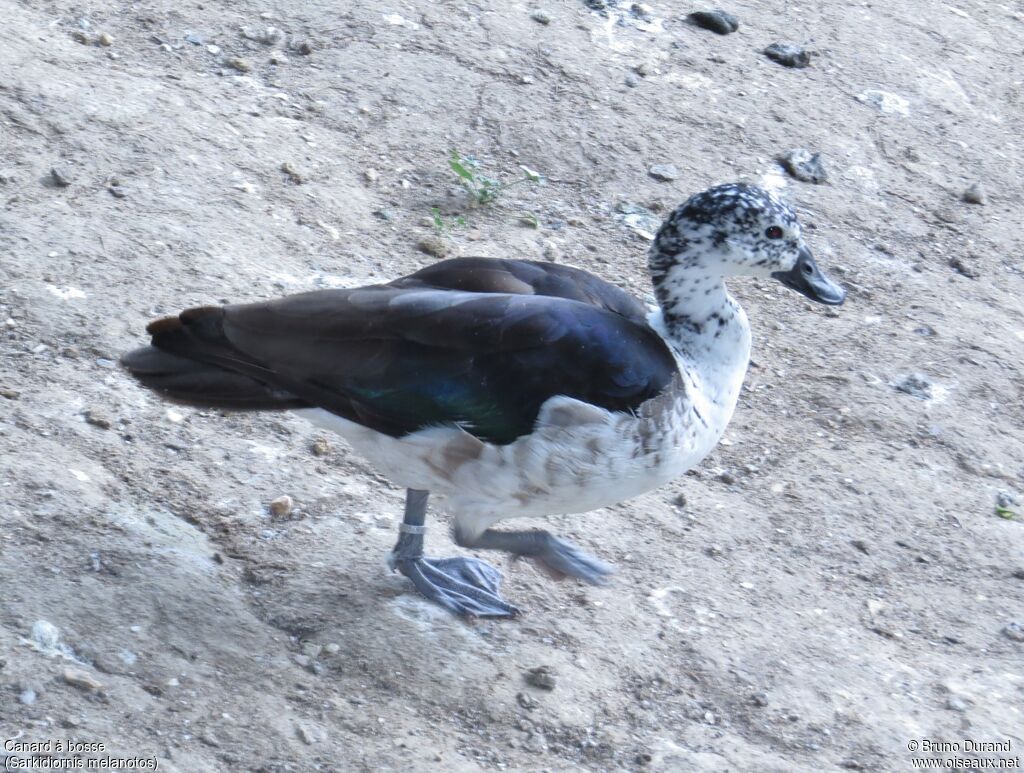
(1005, 512)
(438, 222)
(530, 219)
(461, 171)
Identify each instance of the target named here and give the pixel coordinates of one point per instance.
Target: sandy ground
(833, 584)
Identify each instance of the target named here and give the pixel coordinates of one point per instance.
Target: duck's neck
(704, 325)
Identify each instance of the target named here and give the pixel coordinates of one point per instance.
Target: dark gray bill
(806, 278)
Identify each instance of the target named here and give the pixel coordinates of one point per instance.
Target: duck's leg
(560, 557)
(463, 585)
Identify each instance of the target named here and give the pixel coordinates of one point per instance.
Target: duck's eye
(773, 232)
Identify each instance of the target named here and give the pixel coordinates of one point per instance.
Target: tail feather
(190, 361)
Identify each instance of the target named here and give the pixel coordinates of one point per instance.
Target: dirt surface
(833, 583)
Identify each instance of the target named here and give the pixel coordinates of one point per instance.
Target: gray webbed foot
(559, 557)
(465, 586)
(564, 558)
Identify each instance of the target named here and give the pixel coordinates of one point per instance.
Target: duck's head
(739, 230)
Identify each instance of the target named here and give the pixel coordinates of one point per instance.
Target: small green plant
(1005, 512)
(485, 190)
(443, 227)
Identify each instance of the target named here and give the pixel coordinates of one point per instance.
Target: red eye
(773, 232)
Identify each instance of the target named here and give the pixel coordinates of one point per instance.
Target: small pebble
(276, 57)
(321, 447)
(541, 17)
(312, 649)
(240, 64)
(332, 648)
(82, 37)
(1006, 499)
(282, 506)
(60, 176)
(527, 701)
(727, 478)
(975, 194)
(97, 419)
(194, 39)
(82, 679)
(679, 501)
(1018, 573)
(540, 677)
(632, 81)
(105, 39)
(117, 191)
(1014, 632)
(759, 699)
(271, 36)
(371, 175)
(916, 385)
(717, 21)
(27, 696)
(663, 172)
(788, 55)
(861, 545)
(213, 49)
(964, 269)
(304, 660)
(805, 166)
(432, 245)
(304, 47)
(306, 735)
(296, 176)
(956, 703)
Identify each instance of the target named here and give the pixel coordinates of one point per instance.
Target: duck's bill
(806, 278)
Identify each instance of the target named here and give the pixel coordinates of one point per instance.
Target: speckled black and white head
(734, 230)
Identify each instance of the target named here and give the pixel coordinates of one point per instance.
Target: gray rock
(664, 172)
(60, 176)
(788, 55)
(1006, 499)
(1014, 632)
(717, 21)
(194, 39)
(916, 385)
(541, 17)
(975, 194)
(540, 677)
(97, 419)
(805, 166)
(962, 268)
(956, 703)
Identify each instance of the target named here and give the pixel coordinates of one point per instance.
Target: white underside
(555, 469)
(578, 458)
